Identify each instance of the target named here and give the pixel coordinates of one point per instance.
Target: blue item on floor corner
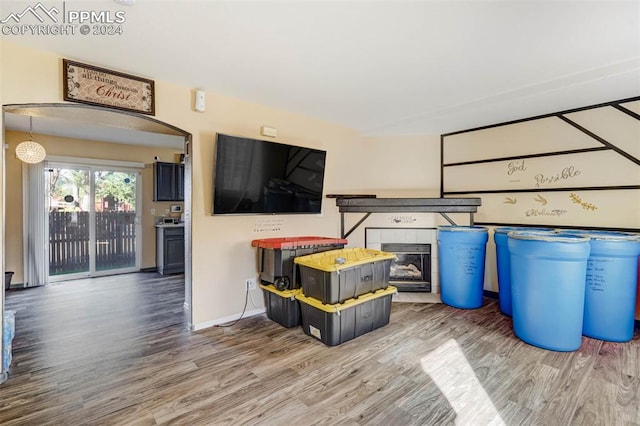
(8, 332)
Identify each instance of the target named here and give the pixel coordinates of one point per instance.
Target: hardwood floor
(116, 351)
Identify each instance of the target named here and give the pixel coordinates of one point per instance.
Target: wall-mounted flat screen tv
(260, 177)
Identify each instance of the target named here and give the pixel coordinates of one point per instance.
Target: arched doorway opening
(94, 123)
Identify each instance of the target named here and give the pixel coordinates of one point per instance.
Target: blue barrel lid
(506, 229)
(596, 234)
(549, 236)
(456, 228)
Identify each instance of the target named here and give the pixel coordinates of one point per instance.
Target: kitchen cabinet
(170, 249)
(168, 182)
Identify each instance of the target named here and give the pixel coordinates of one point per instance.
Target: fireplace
(411, 271)
(416, 267)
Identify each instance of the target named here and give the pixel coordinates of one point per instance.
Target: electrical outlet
(153, 212)
(250, 283)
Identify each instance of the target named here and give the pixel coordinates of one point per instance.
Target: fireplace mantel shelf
(369, 204)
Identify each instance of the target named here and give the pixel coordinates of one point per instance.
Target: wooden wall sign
(99, 86)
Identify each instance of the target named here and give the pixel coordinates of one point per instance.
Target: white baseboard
(230, 318)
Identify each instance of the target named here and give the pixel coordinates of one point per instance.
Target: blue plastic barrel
(461, 255)
(503, 263)
(548, 273)
(612, 273)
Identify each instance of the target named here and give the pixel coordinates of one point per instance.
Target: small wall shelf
(369, 204)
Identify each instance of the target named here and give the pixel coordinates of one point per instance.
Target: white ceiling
(383, 68)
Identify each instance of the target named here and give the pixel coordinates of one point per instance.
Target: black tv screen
(260, 177)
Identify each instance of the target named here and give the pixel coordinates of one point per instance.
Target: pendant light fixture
(29, 151)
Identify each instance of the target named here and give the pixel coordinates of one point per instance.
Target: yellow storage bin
(282, 306)
(337, 323)
(337, 275)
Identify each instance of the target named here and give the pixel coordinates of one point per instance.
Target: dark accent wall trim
(554, 114)
(603, 141)
(150, 269)
(520, 157)
(441, 165)
(576, 188)
(627, 111)
(466, 188)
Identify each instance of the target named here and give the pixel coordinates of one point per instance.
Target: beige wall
(398, 166)
(66, 147)
(407, 165)
(222, 255)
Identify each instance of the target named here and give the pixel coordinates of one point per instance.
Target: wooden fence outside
(69, 241)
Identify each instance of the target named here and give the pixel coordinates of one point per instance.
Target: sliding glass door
(115, 219)
(93, 220)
